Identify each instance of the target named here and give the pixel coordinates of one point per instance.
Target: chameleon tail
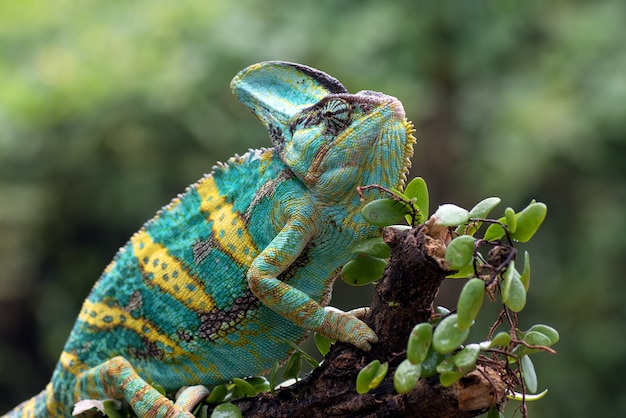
(34, 407)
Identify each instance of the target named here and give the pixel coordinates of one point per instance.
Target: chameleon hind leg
(117, 379)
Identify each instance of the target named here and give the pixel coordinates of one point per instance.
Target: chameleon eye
(337, 115)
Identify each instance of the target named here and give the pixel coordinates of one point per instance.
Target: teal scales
(218, 282)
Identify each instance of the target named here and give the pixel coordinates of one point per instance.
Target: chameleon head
(332, 140)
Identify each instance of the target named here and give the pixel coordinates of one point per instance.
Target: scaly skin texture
(220, 279)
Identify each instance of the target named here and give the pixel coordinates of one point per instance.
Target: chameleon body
(244, 260)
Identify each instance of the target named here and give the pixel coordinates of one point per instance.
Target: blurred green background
(109, 109)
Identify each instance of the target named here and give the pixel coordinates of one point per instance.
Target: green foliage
(489, 263)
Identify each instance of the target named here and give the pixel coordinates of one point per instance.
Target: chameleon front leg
(294, 304)
(117, 379)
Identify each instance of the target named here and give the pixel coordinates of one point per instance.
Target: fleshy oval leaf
(537, 338)
(527, 398)
(465, 360)
(293, 366)
(450, 215)
(218, 393)
(528, 374)
(322, 343)
(470, 302)
(226, 410)
(516, 295)
(463, 273)
(511, 221)
(259, 383)
(363, 270)
(501, 339)
(495, 231)
(430, 363)
(365, 377)
(406, 376)
(419, 342)
(379, 376)
(449, 378)
(484, 207)
(480, 210)
(548, 331)
(447, 336)
(418, 190)
(525, 276)
(374, 246)
(460, 252)
(384, 212)
(244, 387)
(529, 220)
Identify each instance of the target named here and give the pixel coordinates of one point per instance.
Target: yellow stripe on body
(168, 274)
(71, 363)
(228, 228)
(103, 316)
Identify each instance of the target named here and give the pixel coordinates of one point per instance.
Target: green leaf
(430, 363)
(484, 207)
(480, 210)
(528, 374)
(363, 270)
(470, 302)
(447, 336)
(111, 408)
(449, 378)
(417, 189)
(246, 388)
(537, 338)
(528, 221)
(406, 376)
(463, 273)
(495, 231)
(465, 360)
(226, 410)
(548, 331)
(273, 376)
(375, 247)
(494, 413)
(365, 377)
(419, 342)
(259, 383)
(527, 398)
(217, 395)
(380, 375)
(513, 291)
(442, 310)
(293, 366)
(450, 215)
(322, 343)
(511, 221)
(306, 356)
(460, 252)
(525, 277)
(501, 339)
(384, 212)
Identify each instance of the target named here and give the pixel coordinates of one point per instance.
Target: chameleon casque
(244, 260)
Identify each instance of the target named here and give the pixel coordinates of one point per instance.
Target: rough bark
(404, 297)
